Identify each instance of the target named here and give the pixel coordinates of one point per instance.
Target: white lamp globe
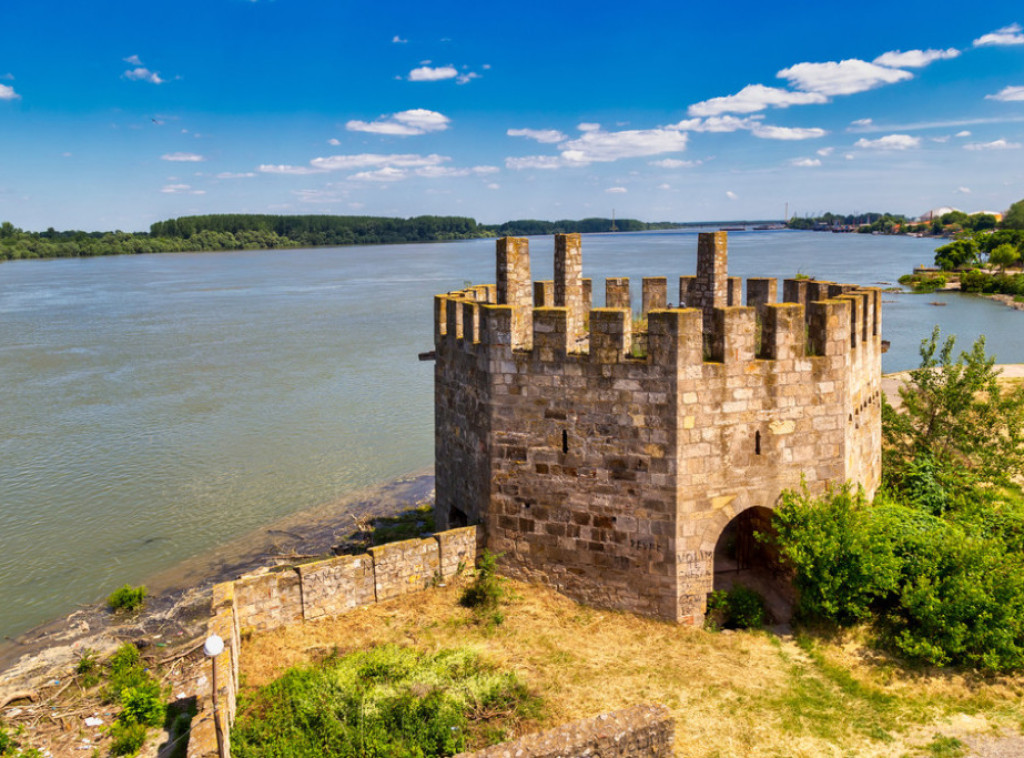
(214, 646)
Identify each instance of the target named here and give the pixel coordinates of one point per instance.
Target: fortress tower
(606, 458)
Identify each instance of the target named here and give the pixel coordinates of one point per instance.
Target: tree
(957, 425)
(1003, 256)
(1014, 218)
(957, 253)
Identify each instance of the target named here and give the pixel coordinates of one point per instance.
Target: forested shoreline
(219, 232)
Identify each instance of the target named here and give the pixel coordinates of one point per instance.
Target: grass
(738, 694)
(387, 700)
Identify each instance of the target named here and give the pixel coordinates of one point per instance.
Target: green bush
(842, 564)
(11, 748)
(126, 738)
(739, 608)
(485, 594)
(143, 704)
(387, 701)
(127, 598)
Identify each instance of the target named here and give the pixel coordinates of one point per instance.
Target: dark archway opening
(743, 559)
(457, 518)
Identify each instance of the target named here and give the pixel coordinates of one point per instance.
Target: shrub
(739, 608)
(142, 705)
(126, 738)
(127, 598)
(487, 591)
(842, 564)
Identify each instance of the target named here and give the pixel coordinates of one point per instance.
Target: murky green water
(153, 407)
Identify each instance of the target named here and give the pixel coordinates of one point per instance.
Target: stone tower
(605, 454)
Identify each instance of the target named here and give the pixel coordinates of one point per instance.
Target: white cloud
(964, 133)
(1008, 35)
(181, 189)
(431, 74)
(132, 60)
(285, 169)
(588, 127)
(672, 163)
(545, 162)
(964, 190)
(467, 77)
(143, 74)
(889, 142)
(914, 58)
(999, 144)
(861, 123)
(440, 172)
(547, 136)
(841, 78)
(825, 151)
(334, 141)
(753, 98)
(493, 186)
(616, 190)
(664, 186)
(369, 160)
(941, 140)
(599, 146)
(806, 162)
(404, 124)
(848, 156)
(398, 40)
(231, 175)
(8, 93)
(731, 195)
(386, 174)
(1008, 95)
(765, 131)
(182, 157)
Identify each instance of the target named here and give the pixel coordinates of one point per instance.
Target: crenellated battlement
(814, 319)
(604, 450)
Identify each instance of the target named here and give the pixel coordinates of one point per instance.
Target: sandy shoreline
(179, 596)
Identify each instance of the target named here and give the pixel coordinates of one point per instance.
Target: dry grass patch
(738, 694)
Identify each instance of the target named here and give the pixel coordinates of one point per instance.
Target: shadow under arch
(741, 559)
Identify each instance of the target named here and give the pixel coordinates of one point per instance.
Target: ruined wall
(643, 731)
(269, 600)
(617, 460)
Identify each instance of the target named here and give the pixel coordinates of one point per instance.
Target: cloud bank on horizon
(704, 128)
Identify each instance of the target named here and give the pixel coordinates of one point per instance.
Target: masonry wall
(643, 731)
(270, 600)
(616, 461)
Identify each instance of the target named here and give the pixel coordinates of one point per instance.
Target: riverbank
(178, 606)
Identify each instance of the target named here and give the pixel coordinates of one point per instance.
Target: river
(157, 406)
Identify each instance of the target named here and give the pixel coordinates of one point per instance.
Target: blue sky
(117, 114)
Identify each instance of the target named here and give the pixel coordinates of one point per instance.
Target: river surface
(154, 407)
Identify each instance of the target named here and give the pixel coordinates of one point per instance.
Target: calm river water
(156, 406)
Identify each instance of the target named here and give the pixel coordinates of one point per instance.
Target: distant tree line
(236, 231)
(838, 219)
(529, 226)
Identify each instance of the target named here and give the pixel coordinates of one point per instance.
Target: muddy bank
(178, 605)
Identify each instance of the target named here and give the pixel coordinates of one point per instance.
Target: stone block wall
(643, 731)
(269, 600)
(610, 472)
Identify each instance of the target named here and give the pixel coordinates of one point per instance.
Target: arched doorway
(741, 558)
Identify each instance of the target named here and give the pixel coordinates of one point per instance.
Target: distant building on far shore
(940, 212)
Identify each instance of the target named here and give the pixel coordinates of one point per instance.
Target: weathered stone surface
(643, 731)
(609, 471)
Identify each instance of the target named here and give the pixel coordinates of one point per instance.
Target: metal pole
(218, 727)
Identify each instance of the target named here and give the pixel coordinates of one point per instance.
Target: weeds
(739, 608)
(127, 598)
(485, 595)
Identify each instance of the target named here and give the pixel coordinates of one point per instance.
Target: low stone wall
(643, 730)
(270, 599)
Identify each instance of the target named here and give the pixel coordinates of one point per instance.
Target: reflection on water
(156, 406)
